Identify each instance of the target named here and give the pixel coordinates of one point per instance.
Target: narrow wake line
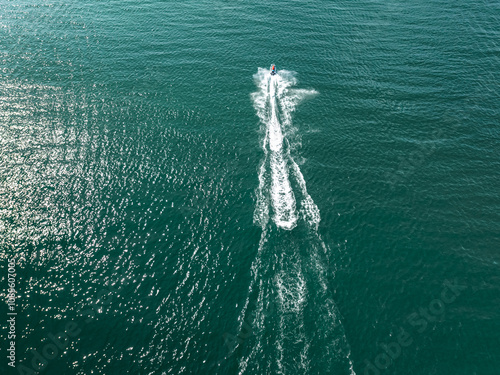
(309, 209)
(261, 213)
(282, 197)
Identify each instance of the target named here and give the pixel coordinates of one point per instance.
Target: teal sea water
(174, 209)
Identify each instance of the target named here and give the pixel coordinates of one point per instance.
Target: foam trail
(292, 296)
(282, 197)
(261, 213)
(275, 101)
(289, 321)
(309, 209)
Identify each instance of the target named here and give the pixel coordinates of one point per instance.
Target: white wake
(275, 101)
(289, 323)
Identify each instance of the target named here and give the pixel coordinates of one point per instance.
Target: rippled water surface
(175, 209)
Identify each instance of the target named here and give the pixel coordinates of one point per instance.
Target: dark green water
(177, 211)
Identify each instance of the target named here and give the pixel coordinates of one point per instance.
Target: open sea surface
(172, 208)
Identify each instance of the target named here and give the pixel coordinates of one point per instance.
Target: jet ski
(273, 70)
